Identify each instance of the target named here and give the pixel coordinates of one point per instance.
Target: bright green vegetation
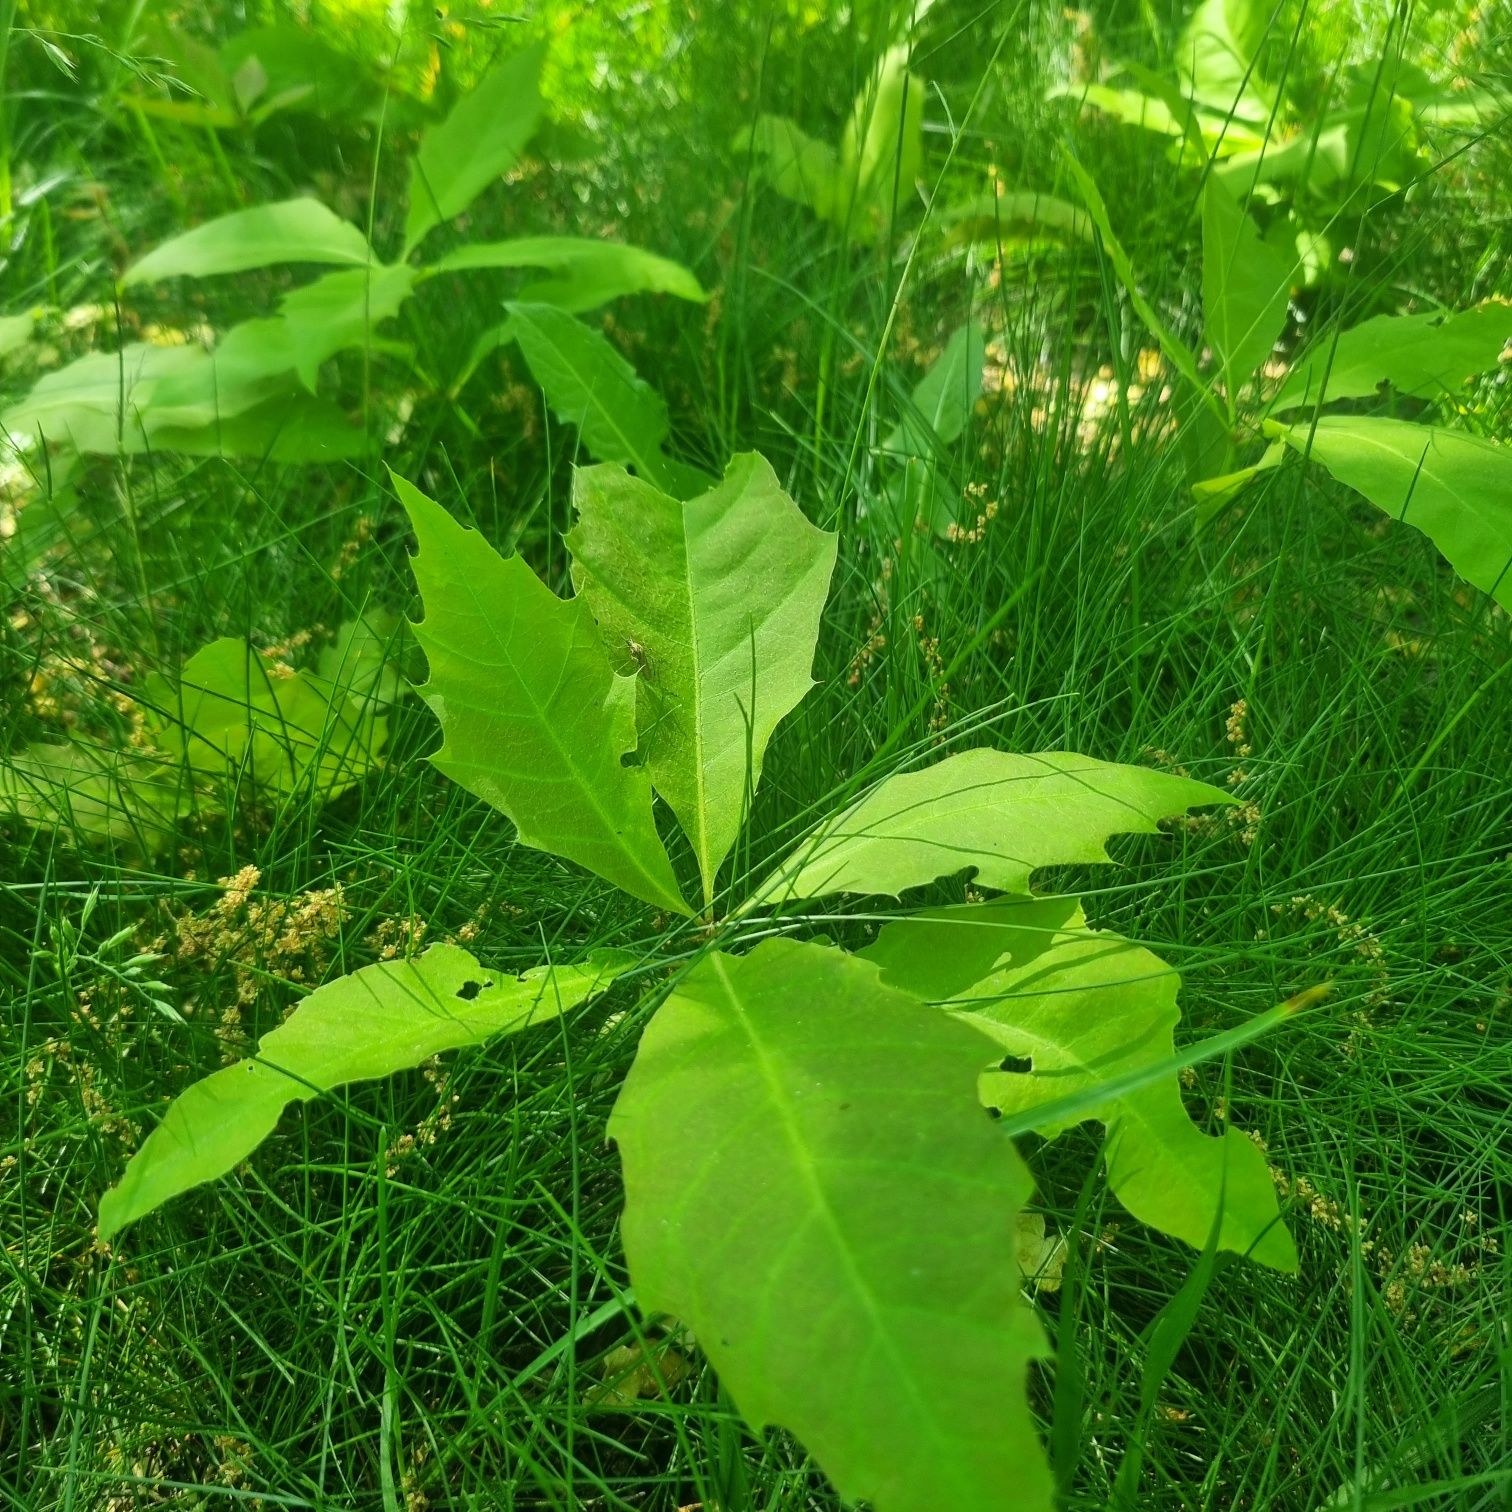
(957, 575)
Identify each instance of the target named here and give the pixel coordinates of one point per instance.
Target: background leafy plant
(254, 393)
(1456, 488)
(1319, 155)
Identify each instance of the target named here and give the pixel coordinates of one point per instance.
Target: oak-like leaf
(810, 1188)
(716, 604)
(537, 722)
(373, 1022)
(1083, 1007)
(999, 814)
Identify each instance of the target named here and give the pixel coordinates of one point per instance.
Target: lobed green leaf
(997, 814)
(1085, 1007)
(716, 605)
(536, 720)
(381, 1019)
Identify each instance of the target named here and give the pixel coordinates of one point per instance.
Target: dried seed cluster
(260, 939)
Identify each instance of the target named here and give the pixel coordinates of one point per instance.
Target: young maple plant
(812, 1185)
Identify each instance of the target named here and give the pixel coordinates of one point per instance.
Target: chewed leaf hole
(1018, 1064)
(469, 990)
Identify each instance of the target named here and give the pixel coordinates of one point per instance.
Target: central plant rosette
(812, 1185)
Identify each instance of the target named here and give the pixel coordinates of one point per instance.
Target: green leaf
(340, 311)
(237, 713)
(809, 1189)
(1209, 495)
(1455, 488)
(1015, 215)
(1216, 56)
(588, 384)
(93, 792)
(45, 514)
(96, 403)
(288, 427)
(291, 231)
(1130, 106)
(998, 814)
(716, 603)
(1084, 1006)
(944, 397)
(192, 63)
(361, 659)
(330, 315)
(882, 146)
(591, 273)
(302, 71)
(797, 166)
(476, 144)
(1422, 355)
(1246, 283)
(536, 719)
(232, 721)
(235, 401)
(249, 363)
(16, 331)
(376, 1021)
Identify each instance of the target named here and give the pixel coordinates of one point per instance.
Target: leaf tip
(1309, 997)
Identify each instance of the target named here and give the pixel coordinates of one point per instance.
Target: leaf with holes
(716, 604)
(381, 1019)
(809, 1187)
(1083, 1007)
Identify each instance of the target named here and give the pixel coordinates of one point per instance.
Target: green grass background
(354, 1321)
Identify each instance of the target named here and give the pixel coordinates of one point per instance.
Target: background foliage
(415, 1294)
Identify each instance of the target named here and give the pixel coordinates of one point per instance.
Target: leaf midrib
(1422, 470)
(804, 1167)
(706, 870)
